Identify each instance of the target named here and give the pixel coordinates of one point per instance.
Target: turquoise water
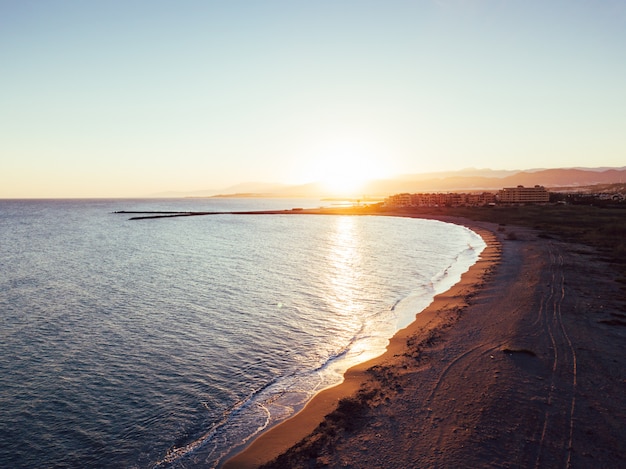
(168, 343)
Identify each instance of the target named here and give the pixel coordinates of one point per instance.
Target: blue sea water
(172, 342)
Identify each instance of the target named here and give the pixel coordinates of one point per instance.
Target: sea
(171, 343)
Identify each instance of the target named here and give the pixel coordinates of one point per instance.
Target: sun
(344, 169)
(343, 176)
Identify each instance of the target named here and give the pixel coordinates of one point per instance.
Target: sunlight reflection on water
(191, 333)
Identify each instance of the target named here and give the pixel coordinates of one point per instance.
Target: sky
(131, 98)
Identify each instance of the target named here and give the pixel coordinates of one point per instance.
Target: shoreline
(276, 440)
(520, 364)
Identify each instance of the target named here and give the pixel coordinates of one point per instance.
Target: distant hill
(567, 177)
(464, 180)
(546, 177)
(246, 189)
(549, 178)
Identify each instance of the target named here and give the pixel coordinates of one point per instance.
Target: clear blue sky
(129, 98)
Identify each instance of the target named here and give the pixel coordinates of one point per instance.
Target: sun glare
(344, 169)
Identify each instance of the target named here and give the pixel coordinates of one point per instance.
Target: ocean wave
(205, 336)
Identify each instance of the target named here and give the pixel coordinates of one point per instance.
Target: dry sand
(521, 364)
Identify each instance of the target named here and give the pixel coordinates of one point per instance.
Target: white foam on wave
(290, 394)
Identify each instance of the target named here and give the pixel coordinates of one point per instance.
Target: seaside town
(519, 195)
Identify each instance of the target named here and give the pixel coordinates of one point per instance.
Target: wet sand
(521, 364)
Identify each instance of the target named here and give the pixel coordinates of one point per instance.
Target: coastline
(520, 364)
(278, 439)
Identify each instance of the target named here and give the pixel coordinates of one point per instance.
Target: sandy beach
(521, 364)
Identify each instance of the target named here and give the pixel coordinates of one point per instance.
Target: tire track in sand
(564, 363)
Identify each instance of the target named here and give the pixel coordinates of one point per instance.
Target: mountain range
(467, 180)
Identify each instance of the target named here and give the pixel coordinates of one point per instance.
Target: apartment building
(523, 195)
